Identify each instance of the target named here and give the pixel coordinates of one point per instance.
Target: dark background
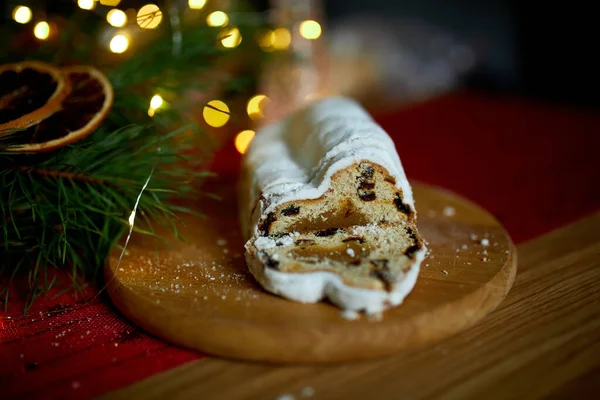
(536, 49)
(531, 48)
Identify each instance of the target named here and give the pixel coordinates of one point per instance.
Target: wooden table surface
(542, 342)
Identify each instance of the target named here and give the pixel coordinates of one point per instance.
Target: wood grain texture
(200, 295)
(542, 342)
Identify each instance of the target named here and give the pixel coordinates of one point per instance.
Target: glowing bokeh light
(196, 4)
(149, 16)
(119, 44)
(112, 3)
(41, 30)
(116, 17)
(216, 113)
(310, 29)
(255, 106)
(266, 39)
(243, 140)
(22, 14)
(217, 18)
(86, 4)
(156, 101)
(231, 38)
(282, 38)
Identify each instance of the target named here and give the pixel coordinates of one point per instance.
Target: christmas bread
(327, 210)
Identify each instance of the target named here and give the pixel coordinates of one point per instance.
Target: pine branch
(67, 175)
(68, 208)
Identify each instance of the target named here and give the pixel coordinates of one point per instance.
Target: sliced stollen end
(328, 211)
(364, 268)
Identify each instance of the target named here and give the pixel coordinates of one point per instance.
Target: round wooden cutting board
(198, 293)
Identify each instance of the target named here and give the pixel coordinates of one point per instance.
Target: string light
(217, 18)
(243, 140)
(131, 220)
(112, 3)
(282, 38)
(86, 4)
(119, 43)
(41, 30)
(155, 103)
(310, 29)
(116, 17)
(255, 106)
(22, 14)
(197, 4)
(149, 16)
(231, 38)
(216, 113)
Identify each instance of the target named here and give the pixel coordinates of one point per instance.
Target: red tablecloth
(534, 166)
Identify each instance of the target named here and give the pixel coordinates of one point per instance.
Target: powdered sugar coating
(295, 159)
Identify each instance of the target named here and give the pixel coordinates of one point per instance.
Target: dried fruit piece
(30, 92)
(81, 112)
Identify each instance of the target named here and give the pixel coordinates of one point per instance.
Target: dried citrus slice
(81, 113)
(30, 91)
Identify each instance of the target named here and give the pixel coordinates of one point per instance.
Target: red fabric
(66, 349)
(535, 167)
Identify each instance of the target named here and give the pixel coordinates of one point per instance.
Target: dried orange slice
(30, 91)
(81, 113)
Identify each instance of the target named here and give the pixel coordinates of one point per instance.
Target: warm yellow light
(116, 17)
(156, 101)
(149, 16)
(231, 38)
(119, 43)
(22, 14)
(41, 30)
(282, 38)
(216, 113)
(110, 2)
(86, 4)
(243, 140)
(197, 4)
(217, 18)
(310, 29)
(266, 39)
(131, 218)
(255, 106)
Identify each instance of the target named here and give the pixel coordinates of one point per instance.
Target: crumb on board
(445, 272)
(485, 242)
(285, 396)
(449, 211)
(221, 242)
(350, 315)
(484, 259)
(307, 391)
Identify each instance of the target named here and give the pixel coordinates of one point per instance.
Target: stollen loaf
(327, 211)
